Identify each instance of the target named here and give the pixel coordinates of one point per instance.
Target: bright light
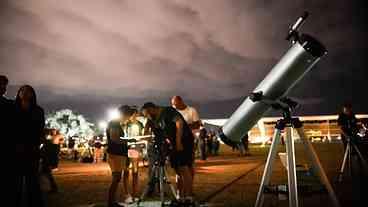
(113, 114)
(102, 125)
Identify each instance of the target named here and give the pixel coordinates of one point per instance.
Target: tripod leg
(317, 166)
(350, 161)
(362, 159)
(344, 163)
(151, 182)
(291, 171)
(162, 189)
(268, 168)
(167, 181)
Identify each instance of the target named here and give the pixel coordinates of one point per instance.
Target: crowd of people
(37, 154)
(177, 125)
(37, 150)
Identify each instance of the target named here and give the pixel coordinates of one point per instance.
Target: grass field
(87, 184)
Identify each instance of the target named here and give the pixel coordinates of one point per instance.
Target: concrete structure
(318, 128)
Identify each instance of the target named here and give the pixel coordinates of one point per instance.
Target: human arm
(179, 134)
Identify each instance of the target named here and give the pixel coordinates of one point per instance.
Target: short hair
(178, 97)
(148, 105)
(4, 79)
(124, 109)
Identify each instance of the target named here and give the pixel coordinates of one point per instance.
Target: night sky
(89, 55)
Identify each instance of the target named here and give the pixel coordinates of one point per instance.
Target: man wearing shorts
(117, 156)
(174, 128)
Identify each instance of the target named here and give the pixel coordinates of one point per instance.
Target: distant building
(318, 128)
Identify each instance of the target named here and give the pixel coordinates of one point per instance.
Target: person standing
(210, 143)
(48, 163)
(177, 131)
(6, 129)
(6, 106)
(97, 149)
(30, 119)
(216, 145)
(191, 117)
(348, 124)
(189, 113)
(244, 146)
(117, 157)
(134, 128)
(57, 139)
(202, 143)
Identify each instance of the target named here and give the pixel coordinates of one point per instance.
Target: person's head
(178, 103)
(134, 114)
(26, 96)
(53, 132)
(150, 110)
(348, 109)
(3, 84)
(125, 113)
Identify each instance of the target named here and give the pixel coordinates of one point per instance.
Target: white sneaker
(129, 199)
(178, 195)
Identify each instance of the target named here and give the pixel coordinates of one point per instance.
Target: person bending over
(177, 131)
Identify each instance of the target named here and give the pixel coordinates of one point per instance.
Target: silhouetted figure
(210, 143)
(215, 145)
(6, 113)
(30, 122)
(202, 143)
(48, 163)
(243, 146)
(348, 123)
(6, 108)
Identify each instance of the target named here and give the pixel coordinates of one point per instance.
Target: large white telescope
(304, 53)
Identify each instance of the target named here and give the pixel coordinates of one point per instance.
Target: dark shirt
(30, 126)
(6, 113)
(117, 148)
(167, 123)
(27, 135)
(349, 124)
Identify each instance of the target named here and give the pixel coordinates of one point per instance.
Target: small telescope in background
(304, 53)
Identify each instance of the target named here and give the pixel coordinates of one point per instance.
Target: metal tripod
(158, 176)
(351, 149)
(289, 123)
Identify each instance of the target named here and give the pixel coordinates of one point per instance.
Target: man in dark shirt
(348, 124)
(6, 107)
(174, 128)
(117, 158)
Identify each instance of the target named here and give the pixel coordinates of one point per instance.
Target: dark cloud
(212, 52)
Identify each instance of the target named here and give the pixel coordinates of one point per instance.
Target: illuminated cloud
(207, 51)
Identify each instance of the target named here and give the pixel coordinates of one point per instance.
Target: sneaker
(129, 199)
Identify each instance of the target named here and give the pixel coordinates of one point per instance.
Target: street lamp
(113, 114)
(102, 125)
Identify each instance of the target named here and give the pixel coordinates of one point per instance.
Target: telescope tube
(298, 60)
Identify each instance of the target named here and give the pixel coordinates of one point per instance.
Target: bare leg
(185, 175)
(135, 178)
(125, 182)
(116, 177)
(179, 185)
(188, 181)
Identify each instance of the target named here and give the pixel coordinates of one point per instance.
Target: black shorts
(181, 159)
